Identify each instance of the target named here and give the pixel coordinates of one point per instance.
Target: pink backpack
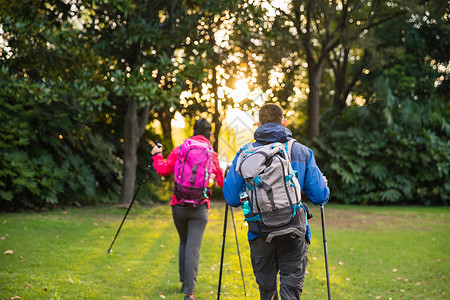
(193, 169)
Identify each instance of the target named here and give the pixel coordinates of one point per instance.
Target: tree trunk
(133, 130)
(315, 64)
(166, 124)
(217, 126)
(340, 86)
(343, 86)
(216, 114)
(131, 141)
(315, 77)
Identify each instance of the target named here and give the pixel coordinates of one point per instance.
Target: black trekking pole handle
(325, 250)
(129, 207)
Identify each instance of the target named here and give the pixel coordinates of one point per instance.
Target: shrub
(48, 155)
(388, 151)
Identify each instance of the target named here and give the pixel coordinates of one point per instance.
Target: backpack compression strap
(259, 183)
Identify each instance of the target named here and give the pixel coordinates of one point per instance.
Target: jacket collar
(272, 132)
(200, 138)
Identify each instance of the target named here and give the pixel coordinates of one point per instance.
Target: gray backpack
(272, 190)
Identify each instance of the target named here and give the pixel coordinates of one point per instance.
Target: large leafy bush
(394, 148)
(49, 154)
(388, 151)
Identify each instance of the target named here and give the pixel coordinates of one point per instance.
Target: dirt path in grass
(355, 219)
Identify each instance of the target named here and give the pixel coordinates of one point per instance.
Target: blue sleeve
(232, 185)
(315, 186)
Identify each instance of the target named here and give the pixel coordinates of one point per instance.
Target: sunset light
(241, 90)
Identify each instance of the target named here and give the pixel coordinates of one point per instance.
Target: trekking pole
(239, 252)
(223, 241)
(325, 250)
(223, 249)
(134, 197)
(128, 210)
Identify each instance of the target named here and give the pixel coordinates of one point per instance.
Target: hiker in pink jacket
(196, 167)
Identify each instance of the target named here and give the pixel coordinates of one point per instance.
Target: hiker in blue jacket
(290, 258)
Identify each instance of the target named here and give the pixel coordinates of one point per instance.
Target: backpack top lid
(254, 158)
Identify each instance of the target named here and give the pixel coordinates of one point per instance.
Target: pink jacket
(167, 167)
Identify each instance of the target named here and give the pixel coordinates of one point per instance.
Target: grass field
(374, 253)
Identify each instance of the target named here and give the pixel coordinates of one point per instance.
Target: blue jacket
(311, 179)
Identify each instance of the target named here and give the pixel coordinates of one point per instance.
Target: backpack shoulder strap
(249, 145)
(288, 147)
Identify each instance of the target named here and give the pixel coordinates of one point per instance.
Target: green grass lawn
(374, 253)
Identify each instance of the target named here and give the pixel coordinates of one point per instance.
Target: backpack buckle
(289, 177)
(257, 180)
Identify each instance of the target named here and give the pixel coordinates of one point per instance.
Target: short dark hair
(202, 127)
(270, 113)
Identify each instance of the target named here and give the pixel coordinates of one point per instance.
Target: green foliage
(48, 155)
(388, 152)
(394, 149)
(49, 89)
(70, 68)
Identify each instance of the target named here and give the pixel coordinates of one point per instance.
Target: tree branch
(330, 62)
(383, 21)
(329, 21)
(306, 37)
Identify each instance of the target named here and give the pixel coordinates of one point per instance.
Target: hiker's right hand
(156, 150)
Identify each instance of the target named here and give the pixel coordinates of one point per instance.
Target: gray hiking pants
(289, 259)
(190, 223)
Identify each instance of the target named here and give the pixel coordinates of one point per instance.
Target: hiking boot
(187, 297)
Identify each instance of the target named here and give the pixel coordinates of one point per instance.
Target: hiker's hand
(156, 150)
(326, 180)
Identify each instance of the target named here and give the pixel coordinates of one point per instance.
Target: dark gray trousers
(190, 223)
(289, 259)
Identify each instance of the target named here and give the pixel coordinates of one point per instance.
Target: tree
(300, 37)
(391, 146)
(131, 57)
(48, 150)
(145, 49)
(211, 43)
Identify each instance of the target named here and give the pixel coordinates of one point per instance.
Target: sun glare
(241, 90)
(178, 120)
